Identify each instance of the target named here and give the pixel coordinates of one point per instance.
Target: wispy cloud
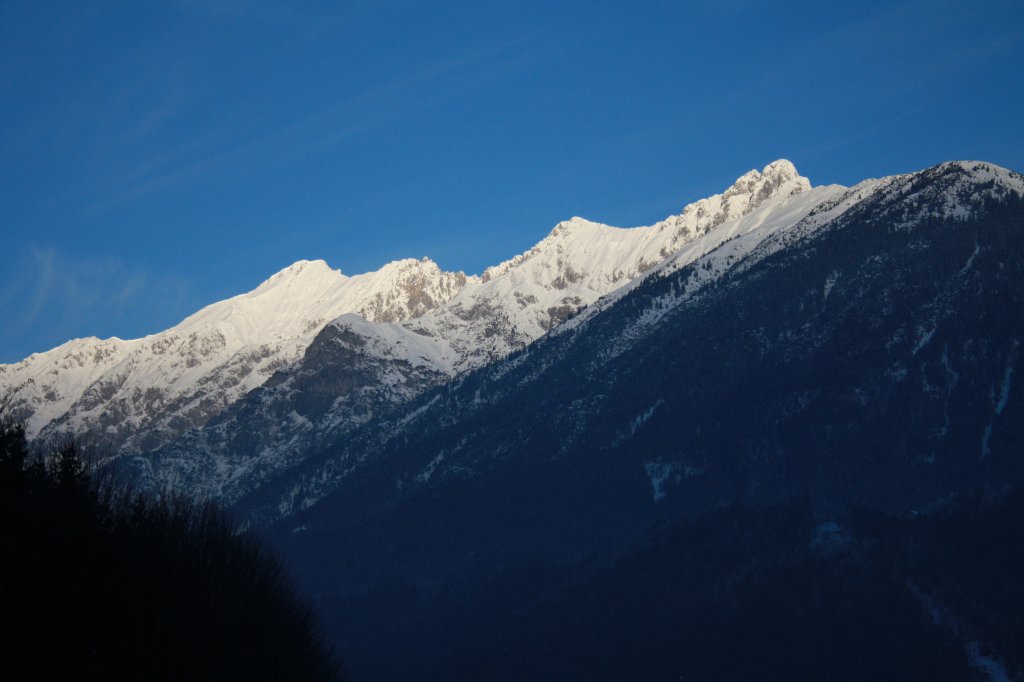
(339, 119)
(53, 296)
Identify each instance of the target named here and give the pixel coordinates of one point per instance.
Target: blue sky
(158, 156)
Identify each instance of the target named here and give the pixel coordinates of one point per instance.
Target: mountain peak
(775, 182)
(781, 167)
(954, 189)
(303, 268)
(630, 251)
(765, 184)
(981, 172)
(410, 264)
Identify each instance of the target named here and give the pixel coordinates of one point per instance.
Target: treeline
(97, 583)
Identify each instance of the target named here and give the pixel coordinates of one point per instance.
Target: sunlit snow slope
(245, 386)
(356, 369)
(135, 394)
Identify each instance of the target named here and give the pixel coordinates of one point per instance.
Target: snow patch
(987, 665)
(830, 283)
(985, 437)
(924, 339)
(662, 473)
(637, 422)
(428, 470)
(1004, 389)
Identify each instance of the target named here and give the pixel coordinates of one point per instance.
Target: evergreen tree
(99, 584)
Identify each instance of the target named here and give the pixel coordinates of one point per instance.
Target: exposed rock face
(416, 291)
(345, 379)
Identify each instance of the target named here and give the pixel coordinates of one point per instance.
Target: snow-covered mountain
(135, 395)
(517, 301)
(411, 435)
(248, 387)
(955, 189)
(424, 325)
(358, 368)
(506, 406)
(847, 347)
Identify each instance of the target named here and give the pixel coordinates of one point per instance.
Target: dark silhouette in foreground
(96, 583)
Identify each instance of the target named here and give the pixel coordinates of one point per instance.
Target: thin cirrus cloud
(431, 85)
(55, 295)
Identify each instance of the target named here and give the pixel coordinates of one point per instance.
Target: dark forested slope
(97, 584)
(867, 362)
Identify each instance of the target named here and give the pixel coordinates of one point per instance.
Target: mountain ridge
(108, 390)
(845, 207)
(211, 357)
(862, 354)
(355, 373)
(413, 326)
